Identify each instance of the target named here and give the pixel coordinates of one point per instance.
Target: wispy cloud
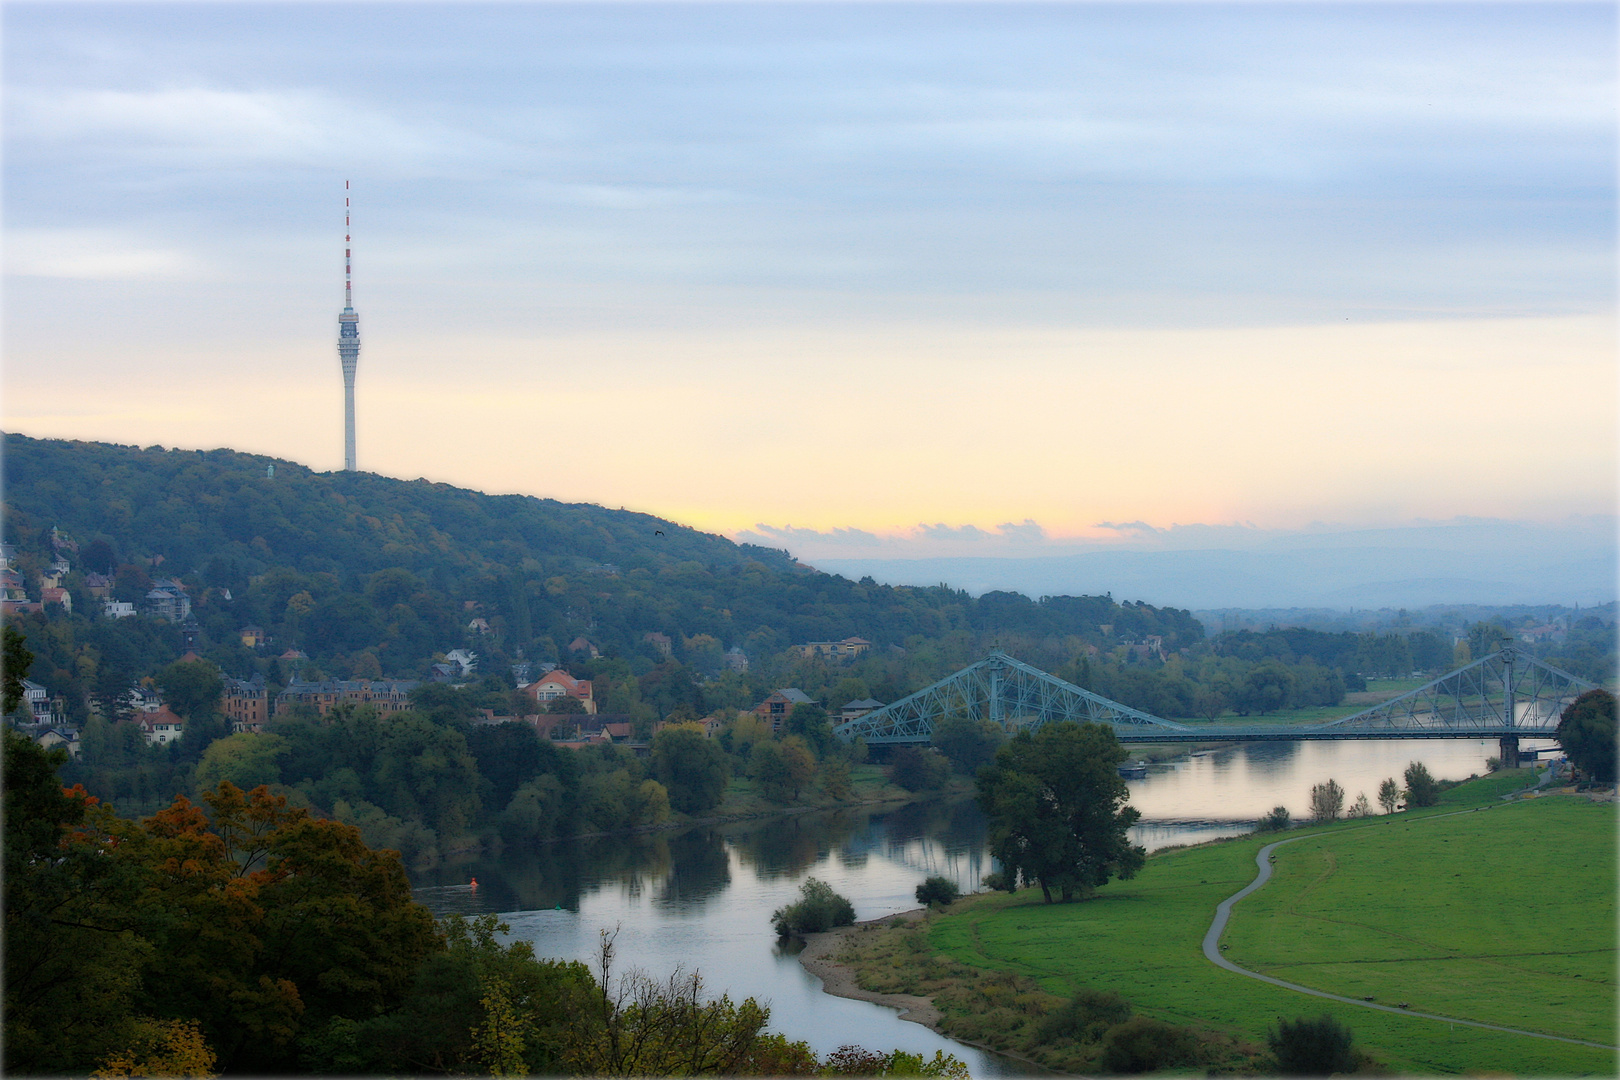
(96, 255)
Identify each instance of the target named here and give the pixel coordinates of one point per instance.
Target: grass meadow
(1505, 915)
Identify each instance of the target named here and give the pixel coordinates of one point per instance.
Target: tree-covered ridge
(373, 576)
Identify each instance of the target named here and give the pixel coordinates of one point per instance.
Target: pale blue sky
(850, 265)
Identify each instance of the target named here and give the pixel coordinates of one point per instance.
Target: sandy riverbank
(838, 979)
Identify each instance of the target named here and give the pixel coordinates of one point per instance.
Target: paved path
(1212, 950)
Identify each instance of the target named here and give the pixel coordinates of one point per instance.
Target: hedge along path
(1223, 912)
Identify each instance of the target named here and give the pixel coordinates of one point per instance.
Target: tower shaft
(348, 340)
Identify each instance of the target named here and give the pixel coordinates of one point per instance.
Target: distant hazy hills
(1476, 562)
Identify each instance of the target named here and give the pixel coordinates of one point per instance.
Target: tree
(1389, 795)
(691, 767)
(817, 909)
(192, 688)
(782, 768)
(1327, 800)
(247, 760)
(1268, 686)
(16, 660)
(1421, 788)
(1586, 731)
(1360, 808)
(1320, 1047)
(938, 890)
(969, 745)
(1275, 821)
(809, 722)
(918, 770)
(1057, 811)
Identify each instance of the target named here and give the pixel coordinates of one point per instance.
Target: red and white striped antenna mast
(348, 268)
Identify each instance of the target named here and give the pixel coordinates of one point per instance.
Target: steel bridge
(1504, 696)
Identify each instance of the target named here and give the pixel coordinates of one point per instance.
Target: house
(56, 595)
(52, 737)
(20, 607)
(443, 673)
(247, 703)
(479, 625)
(384, 695)
(735, 660)
(168, 600)
(100, 585)
(854, 710)
(253, 637)
(117, 609)
(659, 641)
(464, 659)
(162, 726)
(557, 683)
(39, 701)
(581, 645)
(774, 709)
(12, 586)
(847, 649)
(143, 699)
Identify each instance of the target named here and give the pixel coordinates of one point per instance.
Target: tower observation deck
(348, 340)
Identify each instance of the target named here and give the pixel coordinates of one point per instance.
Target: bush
(1086, 1017)
(1142, 1045)
(1319, 1047)
(817, 909)
(1421, 788)
(1275, 821)
(996, 881)
(918, 770)
(937, 890)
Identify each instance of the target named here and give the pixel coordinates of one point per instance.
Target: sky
(904, 279)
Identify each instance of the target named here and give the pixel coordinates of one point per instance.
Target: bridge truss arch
(1504, 696)
(1007, 692)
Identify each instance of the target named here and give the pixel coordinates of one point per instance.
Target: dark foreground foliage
(242, 935)
(1306, 1047)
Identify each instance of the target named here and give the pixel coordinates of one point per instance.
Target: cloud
(1129, 528)
(790, 536)
(201, 126)
(1024, 532)
(95, 255)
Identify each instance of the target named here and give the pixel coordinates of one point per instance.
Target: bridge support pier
(1510, 751)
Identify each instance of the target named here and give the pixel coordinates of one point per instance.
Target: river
(701, 898)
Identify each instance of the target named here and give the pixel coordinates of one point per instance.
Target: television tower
(348, 341)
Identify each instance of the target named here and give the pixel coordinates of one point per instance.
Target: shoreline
(838, 979)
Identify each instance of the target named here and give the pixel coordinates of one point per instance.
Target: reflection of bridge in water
(1504, 696)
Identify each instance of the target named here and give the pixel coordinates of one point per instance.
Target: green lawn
(1470, 889)
(1504, 915)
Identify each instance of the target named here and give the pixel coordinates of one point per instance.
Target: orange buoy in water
(475, 883)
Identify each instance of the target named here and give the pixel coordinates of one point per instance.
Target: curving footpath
(1223, 912)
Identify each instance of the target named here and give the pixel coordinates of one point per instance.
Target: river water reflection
(702, 898)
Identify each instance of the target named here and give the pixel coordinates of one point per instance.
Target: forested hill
(342, 565)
